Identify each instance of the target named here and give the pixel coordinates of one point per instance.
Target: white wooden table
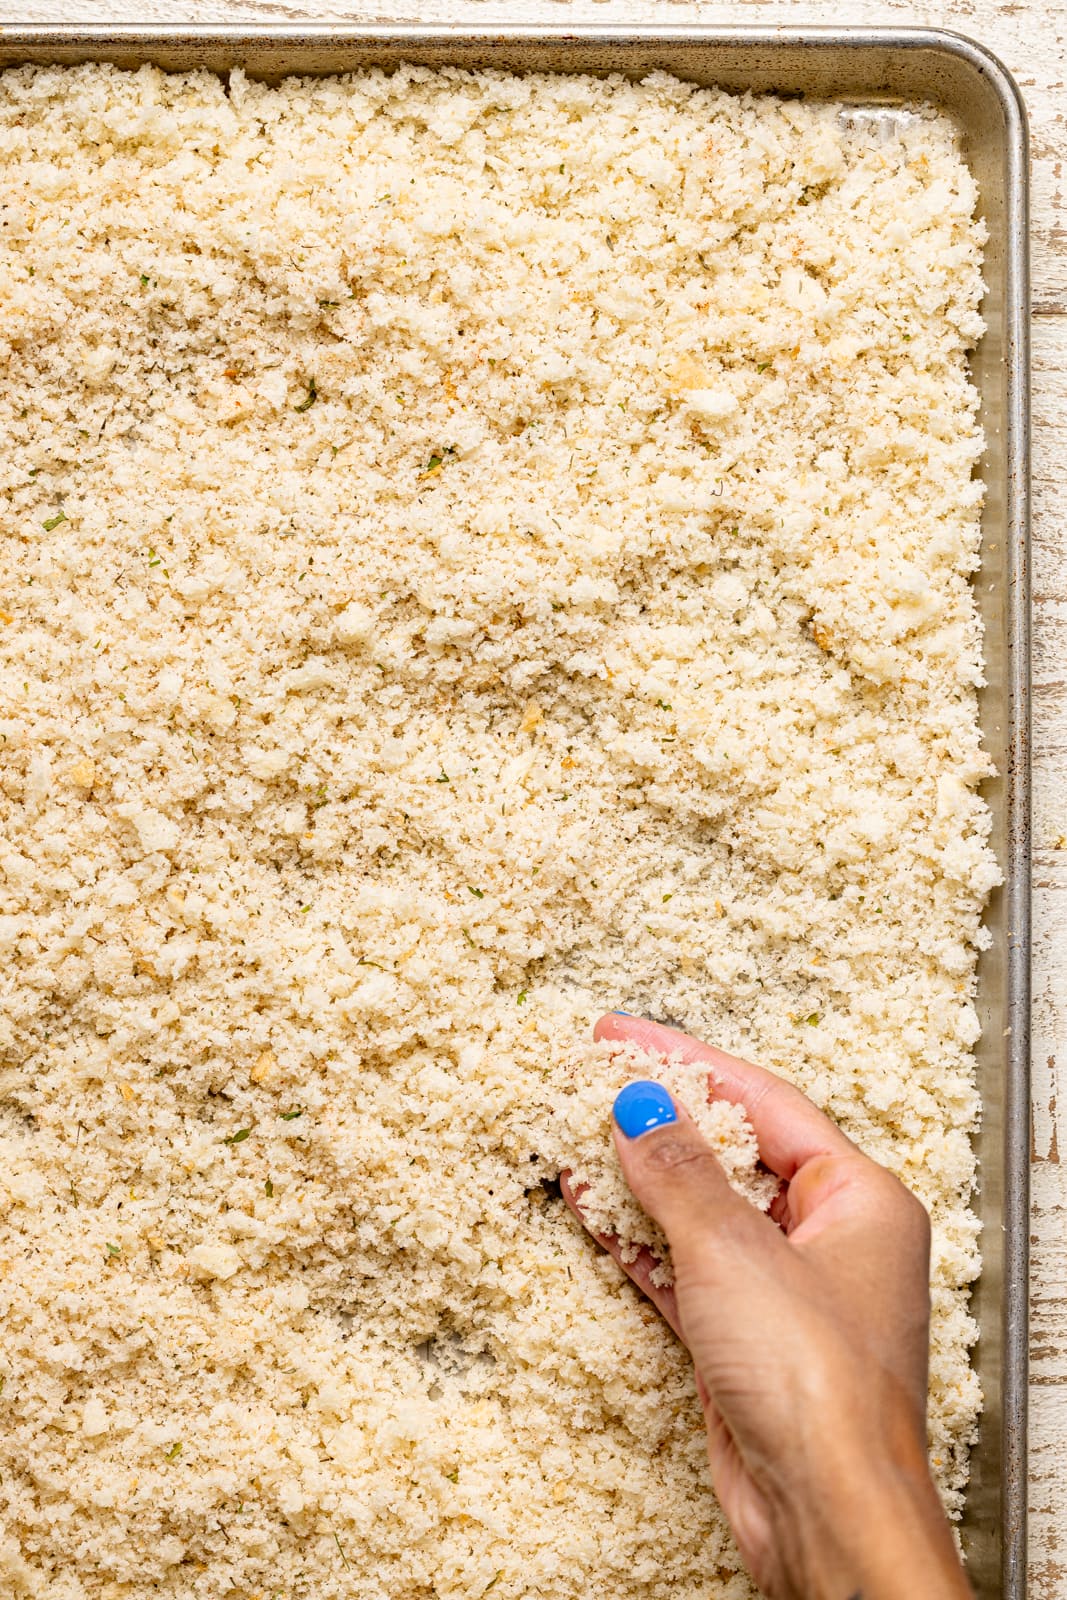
(1031, 38)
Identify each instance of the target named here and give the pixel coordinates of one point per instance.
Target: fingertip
(572, 1198)
(614, 1025)
(571, 1192)
(654, 1037)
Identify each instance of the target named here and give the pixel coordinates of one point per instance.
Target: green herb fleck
(444, 778)
(467, 936)
(154, 560)
(239, 1137)
(268, 1189)
(663, 705)
(309, 399)
(763, 366)
(453, 1477)
(53, 522)
(340, 1547)
(144, 280)
(290, 1116)
(479, 894)
(114, 1250)
(667, 897)
(523, 997)
(437, 459)
(174, 1451)
(813, 1019)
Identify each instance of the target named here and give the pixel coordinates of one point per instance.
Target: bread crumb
(216, 1261)
(263, 1068)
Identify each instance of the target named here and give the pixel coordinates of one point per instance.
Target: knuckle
(820, 1169)
(671, 1153)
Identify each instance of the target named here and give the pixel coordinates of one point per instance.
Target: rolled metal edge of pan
(878, 64)
(1017, 890)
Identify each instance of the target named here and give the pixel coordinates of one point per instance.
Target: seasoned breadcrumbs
(478, 551)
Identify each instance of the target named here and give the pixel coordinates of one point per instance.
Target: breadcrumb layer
(478, 550)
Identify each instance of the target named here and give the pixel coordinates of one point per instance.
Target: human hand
(809, 1335)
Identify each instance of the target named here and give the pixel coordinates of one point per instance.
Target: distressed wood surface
(1032, 41)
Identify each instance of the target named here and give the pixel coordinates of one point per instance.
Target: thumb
(678, 1180)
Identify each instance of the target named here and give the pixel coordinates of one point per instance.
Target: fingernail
(622, 1013)
(642, 1106)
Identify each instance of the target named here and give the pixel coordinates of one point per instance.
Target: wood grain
(1048, 1299)
(1032, 41)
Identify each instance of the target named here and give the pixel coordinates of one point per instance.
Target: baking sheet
(865, 68)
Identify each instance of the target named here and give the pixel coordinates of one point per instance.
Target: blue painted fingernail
(642, 1106)
(622, 1013)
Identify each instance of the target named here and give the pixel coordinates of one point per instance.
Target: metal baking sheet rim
(874, 65)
